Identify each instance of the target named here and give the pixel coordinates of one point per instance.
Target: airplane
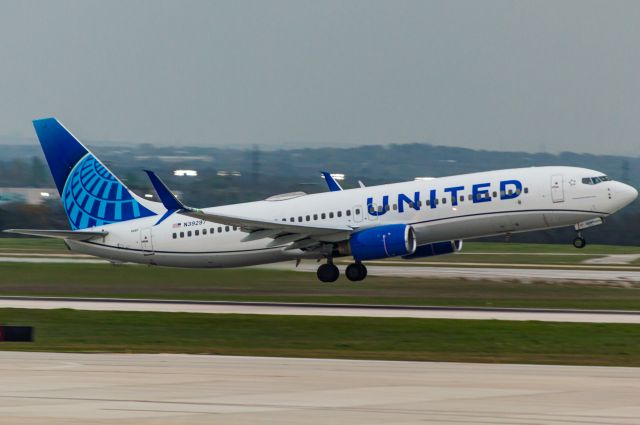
(412, 219)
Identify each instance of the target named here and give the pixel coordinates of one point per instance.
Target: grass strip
(329, 337)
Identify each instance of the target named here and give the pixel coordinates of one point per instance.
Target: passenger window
(226, 228)
(308, 218)
(348, 213)
(175, 236)
(410, 204)
(357, 210)
(339, 213)
(315, 216)
(427, 202)
(323, 216)
(292, 219)
(189, 233)
(182, 234)
(526, 190)
(235, 228)
(204, 231)
(212, 230)
(220, 229)
(461, 198)
(197, 232)
(436, 201)
(495, 194)
(444, 201)
(470, 197)
(395, 207)
(300, 219)
(330, 215)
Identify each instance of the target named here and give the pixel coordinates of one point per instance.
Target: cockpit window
(595, 180)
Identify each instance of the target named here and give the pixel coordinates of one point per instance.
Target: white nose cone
(625, 195)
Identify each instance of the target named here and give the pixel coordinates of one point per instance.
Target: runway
(307, 309)
(74, 389)
(537, 273)
(597, 273)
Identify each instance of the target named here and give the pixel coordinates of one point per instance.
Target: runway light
(148, 195)
(225, 173)
(185, 173)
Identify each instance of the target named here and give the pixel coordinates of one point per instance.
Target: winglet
(167, 198)
(331, 182)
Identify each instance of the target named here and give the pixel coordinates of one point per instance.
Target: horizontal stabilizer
(167, 198)
(76, 235)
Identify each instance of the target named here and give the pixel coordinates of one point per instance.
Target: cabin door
(557, 188)
(146, 243)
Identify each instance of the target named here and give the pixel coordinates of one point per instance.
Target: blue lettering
(454, 193)
(432, 198)
(402, 198)
(372, 210)
(479, 195)
(515, 193)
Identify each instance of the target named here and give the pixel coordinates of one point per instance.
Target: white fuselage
(550, 197)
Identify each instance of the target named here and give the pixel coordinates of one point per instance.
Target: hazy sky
(522, 75)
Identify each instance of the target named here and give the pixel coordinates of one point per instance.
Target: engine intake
(383, 242)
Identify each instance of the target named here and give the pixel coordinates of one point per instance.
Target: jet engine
(374, 243)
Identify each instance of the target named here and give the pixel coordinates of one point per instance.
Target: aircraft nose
(627, 194)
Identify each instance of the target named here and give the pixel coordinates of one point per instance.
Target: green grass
(329, 337)
(32, 245)
(94, 280)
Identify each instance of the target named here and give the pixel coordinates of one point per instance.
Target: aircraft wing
(298, 234)
(77, 235)
(328, 233)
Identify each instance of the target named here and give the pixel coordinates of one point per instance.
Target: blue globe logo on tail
(92, 196)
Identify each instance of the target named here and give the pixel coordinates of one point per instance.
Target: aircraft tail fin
(91, 194)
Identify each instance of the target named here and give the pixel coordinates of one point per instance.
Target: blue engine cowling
(391, 240)
(437, 248)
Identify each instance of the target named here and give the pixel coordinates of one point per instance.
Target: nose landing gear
(579, 242)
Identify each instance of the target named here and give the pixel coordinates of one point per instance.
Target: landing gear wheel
(356, 272)
(328, 273)
(579, 242)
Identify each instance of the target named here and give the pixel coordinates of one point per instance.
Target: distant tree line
(267, 172)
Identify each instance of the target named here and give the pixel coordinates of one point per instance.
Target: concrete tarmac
(74, 389)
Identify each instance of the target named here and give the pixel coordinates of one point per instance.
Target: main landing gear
(356, 272)
(329, 272)
(579, 241)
